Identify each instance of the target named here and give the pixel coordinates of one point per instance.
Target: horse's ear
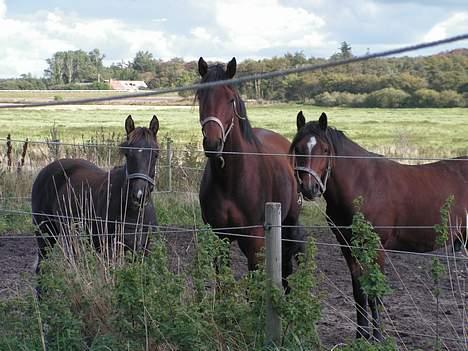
(300, 121)
(202, 67)
(154, 125)
(129, 125)
(231, 68)
(323, 121)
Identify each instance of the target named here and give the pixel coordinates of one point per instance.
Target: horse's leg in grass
(251, 246)
(42, 244)
(375, 305)
(291, 250)
(359, 297)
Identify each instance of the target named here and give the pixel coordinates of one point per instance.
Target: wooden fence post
(273, 269)
(169, 164)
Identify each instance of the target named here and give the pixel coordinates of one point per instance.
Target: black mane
(216, 73)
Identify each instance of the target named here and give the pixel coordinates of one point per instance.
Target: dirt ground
(409, 311)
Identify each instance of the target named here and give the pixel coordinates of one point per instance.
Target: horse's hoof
(377, 336)
(362, 333)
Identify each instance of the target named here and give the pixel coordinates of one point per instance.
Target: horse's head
(311, 148)
(217, 106)
(141, 150)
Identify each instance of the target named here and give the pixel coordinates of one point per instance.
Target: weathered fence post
(273, 269)
(169, 164)
(9, 150)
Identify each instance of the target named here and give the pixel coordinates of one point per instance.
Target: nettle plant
(365, 245)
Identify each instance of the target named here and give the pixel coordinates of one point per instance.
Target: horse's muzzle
(310, 191)
(212, 148)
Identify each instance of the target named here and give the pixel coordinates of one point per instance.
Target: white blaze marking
(140, 150)
(139, 194)
(311, 143)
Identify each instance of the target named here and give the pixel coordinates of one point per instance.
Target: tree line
(439, 80)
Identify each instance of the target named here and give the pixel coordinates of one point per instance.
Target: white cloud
(253, 25)
(2, 8)
(220, 29)
(26, 43)
(456, 23)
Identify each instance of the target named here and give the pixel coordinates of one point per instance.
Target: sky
(31, 30)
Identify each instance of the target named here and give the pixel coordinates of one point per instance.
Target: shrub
(387, 98)
(426, 98)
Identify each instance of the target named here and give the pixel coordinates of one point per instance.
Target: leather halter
(311, 172)
(143, 176)
(224, 132)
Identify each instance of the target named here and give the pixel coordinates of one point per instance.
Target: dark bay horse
(235, 185)
(73, 192)
(394, 196)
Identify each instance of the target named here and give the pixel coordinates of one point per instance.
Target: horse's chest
(226, 213)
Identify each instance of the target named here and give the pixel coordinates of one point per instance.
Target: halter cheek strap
(310, 171)
(224, 133)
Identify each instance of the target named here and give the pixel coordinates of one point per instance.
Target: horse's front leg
(359, 297)
(375, 305)
(251, 245)
(291, 247)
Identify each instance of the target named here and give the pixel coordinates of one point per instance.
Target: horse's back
(272, 142)
(52, 179)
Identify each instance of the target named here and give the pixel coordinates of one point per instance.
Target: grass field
(429, 131)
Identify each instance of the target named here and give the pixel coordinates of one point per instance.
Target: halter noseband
(143, 176)
(224, 132)
(310, 171)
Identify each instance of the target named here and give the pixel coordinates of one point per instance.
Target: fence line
(256, 76)
(220, 230)
(201, 151)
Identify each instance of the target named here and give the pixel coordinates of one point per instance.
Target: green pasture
(416, 131)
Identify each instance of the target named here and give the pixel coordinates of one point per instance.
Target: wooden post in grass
(273, 269)
(169, 164)
(9, 150)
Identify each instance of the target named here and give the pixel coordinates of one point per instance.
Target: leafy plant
(365, 246)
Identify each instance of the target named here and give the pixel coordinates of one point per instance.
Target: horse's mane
(138, 134)
(217, 73)
(335, 137)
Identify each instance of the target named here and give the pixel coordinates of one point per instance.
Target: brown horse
(71, 193)
(235, 184)
(395, 196)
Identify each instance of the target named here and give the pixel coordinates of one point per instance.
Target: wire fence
(239, 153)
(224, 231)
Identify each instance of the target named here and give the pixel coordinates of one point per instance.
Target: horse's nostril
(316, 188)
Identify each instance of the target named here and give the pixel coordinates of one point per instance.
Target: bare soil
(410, 313)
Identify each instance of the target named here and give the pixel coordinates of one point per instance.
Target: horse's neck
(113, 189)
(349, 176)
